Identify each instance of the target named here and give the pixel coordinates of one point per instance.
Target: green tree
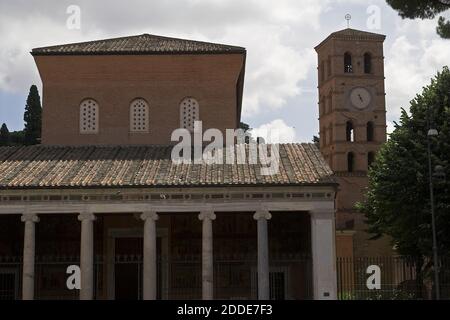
(397, 201)
(4, 135)
(424, 9)
(246, 127)
(316, 141)
(17, 138)
(33, 117)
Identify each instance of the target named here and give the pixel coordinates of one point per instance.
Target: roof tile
(139, 44)
(148, 166)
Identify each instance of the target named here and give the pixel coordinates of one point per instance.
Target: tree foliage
(244, 126)
(4, 135)
(398, 201)
(33, 117)
(316, 141)
(424, 9)
(443, 28)
(17, 138)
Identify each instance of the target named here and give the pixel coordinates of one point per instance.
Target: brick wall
(114, 81)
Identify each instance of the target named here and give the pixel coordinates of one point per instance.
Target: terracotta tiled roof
(353, 34)
(140, 44)
(357, 33)
(147, 166)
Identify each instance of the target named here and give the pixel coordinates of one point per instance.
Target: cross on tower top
(348, 17)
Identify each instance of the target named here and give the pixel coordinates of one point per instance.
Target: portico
(320, 210)
(229, 231)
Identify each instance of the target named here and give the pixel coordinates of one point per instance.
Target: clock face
(360, 98)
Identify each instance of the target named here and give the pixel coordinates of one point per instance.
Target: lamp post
(431, 133)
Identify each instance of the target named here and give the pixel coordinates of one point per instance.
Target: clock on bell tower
(352, 118)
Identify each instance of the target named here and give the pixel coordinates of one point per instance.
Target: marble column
(263, 254)
(323, 254)
(28, 256)
(87, 255)
(207, 254)
(149, 276)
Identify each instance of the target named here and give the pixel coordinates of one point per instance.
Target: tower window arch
(367, 63)
(89, 115)
(348, 67)
(139, 116)
(189, 113)
(370, 131)
(349, 131)
(370, 159)
(350, 162)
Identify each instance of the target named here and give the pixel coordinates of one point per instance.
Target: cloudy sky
(281, 81)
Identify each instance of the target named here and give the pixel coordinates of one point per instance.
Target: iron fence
(10, 277)
(179, 277)
(397, 279)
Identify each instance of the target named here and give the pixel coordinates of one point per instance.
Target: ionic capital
(149, 215)
(207, 214)
(29, 217)
(89, 216)
(262, 214)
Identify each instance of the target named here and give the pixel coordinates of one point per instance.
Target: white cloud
(276, 131)
(17, 68)
(278, 57)
(274, 72)
(279, 37)
(414, 57)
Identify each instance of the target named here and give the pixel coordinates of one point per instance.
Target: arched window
(89, 115)
(370, 131)
(139, 115)
(367, 63)
(370, 159)
(189, 113)
(350, 162)
(349, 131)
(348, 67)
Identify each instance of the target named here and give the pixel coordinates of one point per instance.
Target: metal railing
(235, 277)
(398, 279)
(179, 277)
(10, 277)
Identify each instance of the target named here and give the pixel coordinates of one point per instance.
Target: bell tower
(352, 117)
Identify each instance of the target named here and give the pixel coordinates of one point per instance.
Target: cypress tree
(4, 135)
(33, 117)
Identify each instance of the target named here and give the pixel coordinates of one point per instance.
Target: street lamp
(431, 133)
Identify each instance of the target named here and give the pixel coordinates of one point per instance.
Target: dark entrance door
(128, 268)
